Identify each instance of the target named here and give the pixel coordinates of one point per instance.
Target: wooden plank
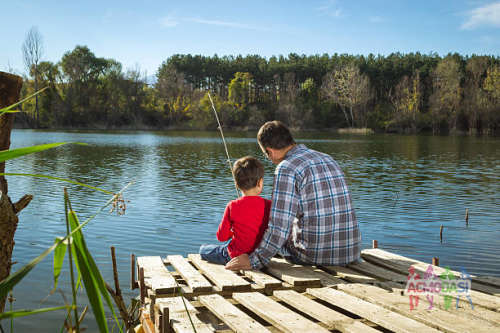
(263, 279)
(156, 275)
(372, 312)
(376, 271)
(231, 315)
(147, 324)
(276, 314)
(221, 277)
(402, 264)
(180, 314)
(194, 279)
(331, 318)
(491, 280)
(295, 275)
(349, 274)
(447, 321)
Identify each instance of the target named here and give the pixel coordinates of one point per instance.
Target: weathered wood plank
(349, 274)
(194, 279)
(447, 321)
(376, 271)
(401, 264)
(221, 277)
(490, 280)
(263, 279)
(295, 275)
(156, 275)
(372, 312)
(275, 313)
(180, 315)
(231, 315)
(147, 323)
(331, 318)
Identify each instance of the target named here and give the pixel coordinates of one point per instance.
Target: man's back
(325, 229)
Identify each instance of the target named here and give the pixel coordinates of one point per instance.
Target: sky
(143, 34)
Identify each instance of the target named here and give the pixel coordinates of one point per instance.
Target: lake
(403, 187)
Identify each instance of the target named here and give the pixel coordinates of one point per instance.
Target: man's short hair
(247, 172)
(274, 134)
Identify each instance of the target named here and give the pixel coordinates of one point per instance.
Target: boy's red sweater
(245, 221)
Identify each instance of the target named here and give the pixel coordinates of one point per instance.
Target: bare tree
(32, 54)
(351, 90)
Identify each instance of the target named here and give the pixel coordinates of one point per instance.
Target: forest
(397, 93)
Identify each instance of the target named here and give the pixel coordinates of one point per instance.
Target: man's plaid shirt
(311, 213)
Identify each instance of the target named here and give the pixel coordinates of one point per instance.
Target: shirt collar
(294, 150)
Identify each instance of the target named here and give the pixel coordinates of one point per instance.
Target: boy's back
(245, 221)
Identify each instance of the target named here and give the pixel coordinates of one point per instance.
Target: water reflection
(404, 188)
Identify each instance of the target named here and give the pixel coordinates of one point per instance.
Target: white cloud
(330, 8)
(225, 24)
(376, 19)
(169, 21)
(488, 15)
(172, 21)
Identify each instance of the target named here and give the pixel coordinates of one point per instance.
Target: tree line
(406, 93)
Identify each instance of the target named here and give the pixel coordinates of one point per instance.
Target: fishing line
(224, 142)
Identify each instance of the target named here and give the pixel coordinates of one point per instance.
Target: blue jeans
(214, 253)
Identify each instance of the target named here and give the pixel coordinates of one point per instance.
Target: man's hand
(241, 262)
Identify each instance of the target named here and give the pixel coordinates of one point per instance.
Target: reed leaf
(10, 107)
(9, 282)
(18, 152)
(57, 178)
(92, 279)
(27, 312)
(59, 254)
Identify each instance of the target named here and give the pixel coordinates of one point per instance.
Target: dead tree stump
(10, 87)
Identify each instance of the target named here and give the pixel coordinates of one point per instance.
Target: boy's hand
(241, 262)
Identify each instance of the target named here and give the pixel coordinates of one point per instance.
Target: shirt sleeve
(283, 211)
(224, 232)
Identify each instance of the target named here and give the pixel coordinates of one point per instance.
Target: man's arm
(283, 211)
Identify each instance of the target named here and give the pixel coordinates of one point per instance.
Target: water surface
(404, 188)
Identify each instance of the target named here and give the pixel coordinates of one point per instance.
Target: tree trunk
(10, 86)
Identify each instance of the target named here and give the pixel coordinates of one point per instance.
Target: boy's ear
(261, 182)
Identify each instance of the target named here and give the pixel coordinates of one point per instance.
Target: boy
(245, 219)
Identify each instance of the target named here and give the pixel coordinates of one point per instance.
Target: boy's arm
(224, 232)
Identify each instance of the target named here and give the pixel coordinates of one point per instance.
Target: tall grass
(80, 258)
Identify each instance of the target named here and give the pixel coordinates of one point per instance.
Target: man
(312, 220)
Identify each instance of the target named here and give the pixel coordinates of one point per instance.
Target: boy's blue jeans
(215, 253)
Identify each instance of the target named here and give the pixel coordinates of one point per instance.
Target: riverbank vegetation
(405, 93)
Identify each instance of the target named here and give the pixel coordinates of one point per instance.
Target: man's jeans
(214, 253)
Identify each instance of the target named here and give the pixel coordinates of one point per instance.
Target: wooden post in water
(374, 244)
(435, 261)
(142, 285)
(466, 216)
(441, 233)
(133, 283)
(115, 272)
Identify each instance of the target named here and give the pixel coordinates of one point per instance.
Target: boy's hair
(274, 134)
(247, 172)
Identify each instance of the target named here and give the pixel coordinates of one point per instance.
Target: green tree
(240, 89)
(407, 100)
(447, 95)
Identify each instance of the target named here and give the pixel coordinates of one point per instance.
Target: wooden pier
(180, 293)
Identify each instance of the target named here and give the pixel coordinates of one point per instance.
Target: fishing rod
(224, 142)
